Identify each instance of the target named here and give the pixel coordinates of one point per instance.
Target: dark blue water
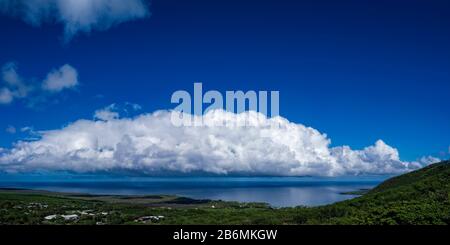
(277, 191)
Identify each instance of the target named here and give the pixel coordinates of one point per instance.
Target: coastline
(418, 197)
(277, 192)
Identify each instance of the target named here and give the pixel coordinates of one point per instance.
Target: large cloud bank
(76, 15)
(150, 145)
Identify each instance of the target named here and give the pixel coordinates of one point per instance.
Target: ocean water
(277, 191)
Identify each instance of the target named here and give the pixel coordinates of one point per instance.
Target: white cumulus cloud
(76, 15)
(149, 144)
(63, 78)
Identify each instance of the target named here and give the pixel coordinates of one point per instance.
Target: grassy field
(420, 197)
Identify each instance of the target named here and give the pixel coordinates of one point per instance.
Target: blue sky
(358, 71)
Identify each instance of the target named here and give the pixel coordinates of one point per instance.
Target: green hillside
(419, 197)
(437, 173)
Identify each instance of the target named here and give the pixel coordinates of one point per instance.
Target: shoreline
(412, 194)
(345, 195)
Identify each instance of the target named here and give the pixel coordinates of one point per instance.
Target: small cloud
(27, 130)
(115, 111)
(427, 160)
(14, 87)
(31, 134)
(14, 81)
(76, 15)
(133, 106)
(6, 96)
(107, 114)
(64, 78)
(11, 129)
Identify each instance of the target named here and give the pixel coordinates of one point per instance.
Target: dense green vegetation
(420, 197)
